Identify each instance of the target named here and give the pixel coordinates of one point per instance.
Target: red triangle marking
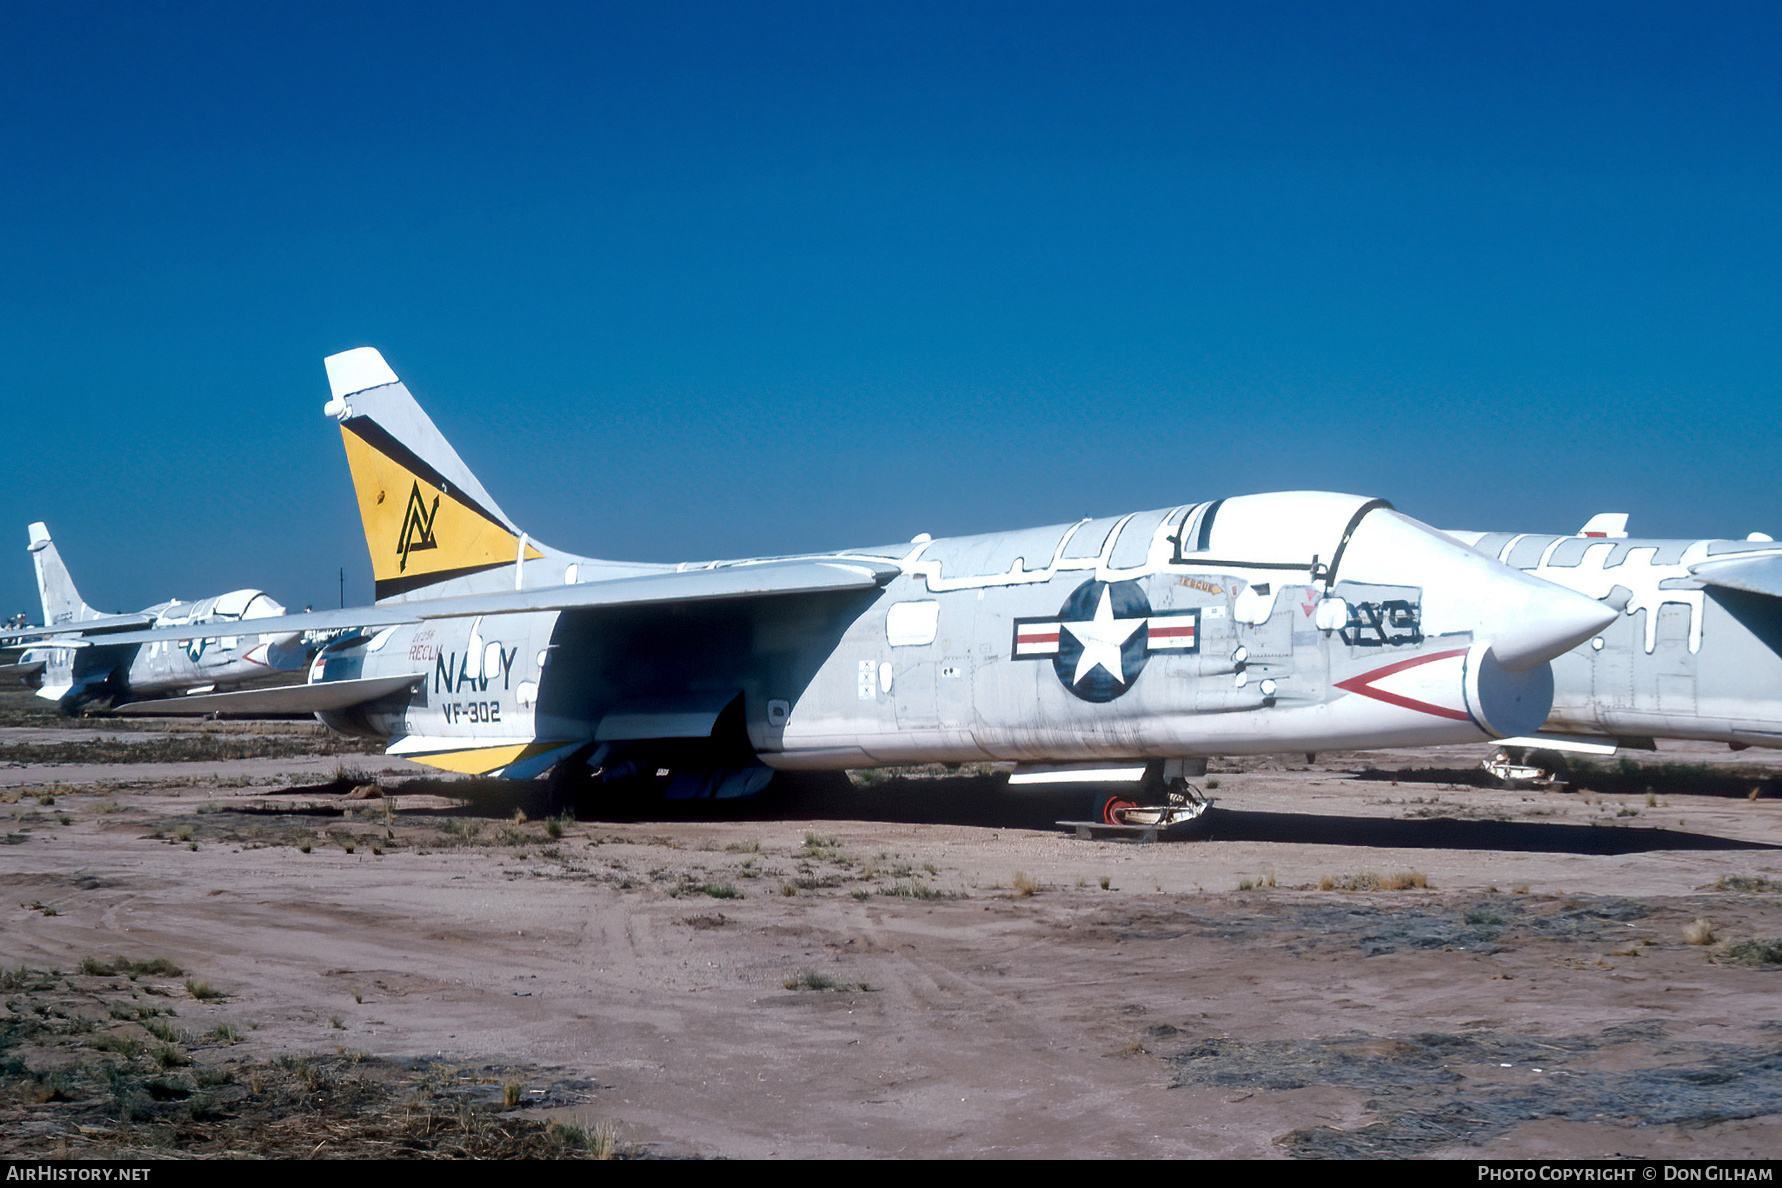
(1364, 685)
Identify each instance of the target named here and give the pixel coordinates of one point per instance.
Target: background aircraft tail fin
(427, 519)
(61, 601)
(1609, 525)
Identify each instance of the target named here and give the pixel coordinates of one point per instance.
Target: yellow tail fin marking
(414, 529)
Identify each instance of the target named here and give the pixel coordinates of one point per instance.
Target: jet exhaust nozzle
(1503, 701)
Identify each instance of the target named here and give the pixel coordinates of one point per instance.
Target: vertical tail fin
(427, 519)
(61, 601)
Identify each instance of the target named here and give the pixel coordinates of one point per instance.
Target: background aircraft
(1694, 651)
(1095, 650)
(78, 659)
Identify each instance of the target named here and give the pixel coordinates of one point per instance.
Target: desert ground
(210, 948)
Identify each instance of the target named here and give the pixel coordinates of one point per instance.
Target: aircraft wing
(1759, 574)
(283, 699)
(105, 624)
(717, 584)
(768, 579)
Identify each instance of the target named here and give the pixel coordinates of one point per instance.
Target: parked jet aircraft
(1098, 650)
(1694, 652)
(25, 666)
(79, 659)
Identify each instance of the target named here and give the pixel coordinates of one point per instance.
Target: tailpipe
(1503, 701)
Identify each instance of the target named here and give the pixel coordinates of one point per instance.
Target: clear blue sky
(693, 280)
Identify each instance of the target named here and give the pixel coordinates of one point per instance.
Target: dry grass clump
(1024, 884)
(1759, 952)
(1699, 932)
(810, 979)
(124, 967)
(714, 890)
(1746, 883)
(914, 889)
(1367, 880)
(600, 1141)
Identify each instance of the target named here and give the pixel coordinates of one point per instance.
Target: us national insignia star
(1100, 639)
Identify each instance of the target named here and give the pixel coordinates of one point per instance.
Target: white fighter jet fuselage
(1090, 641)
(1260, 623)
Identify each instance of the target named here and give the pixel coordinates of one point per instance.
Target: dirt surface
(919, 965)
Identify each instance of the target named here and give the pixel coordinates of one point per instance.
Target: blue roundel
(1101, 639)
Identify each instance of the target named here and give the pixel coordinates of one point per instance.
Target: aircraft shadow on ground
(1447, 833)
(987, 802)
(1633, 779)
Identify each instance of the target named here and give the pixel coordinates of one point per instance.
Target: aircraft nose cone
(1527, 621)
(1544, 622)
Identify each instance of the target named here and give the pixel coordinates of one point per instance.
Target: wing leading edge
(286, 699)
(106, 625)
(768, 579)
(1761, 574)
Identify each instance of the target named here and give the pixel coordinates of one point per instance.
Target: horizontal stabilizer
(1759, 574)
(20, 672)
(286, 699)
(764, 580)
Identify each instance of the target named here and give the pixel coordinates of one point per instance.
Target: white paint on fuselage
(1638, 571)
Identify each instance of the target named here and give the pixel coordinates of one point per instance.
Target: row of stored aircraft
(1119, 652)
(76, 663)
